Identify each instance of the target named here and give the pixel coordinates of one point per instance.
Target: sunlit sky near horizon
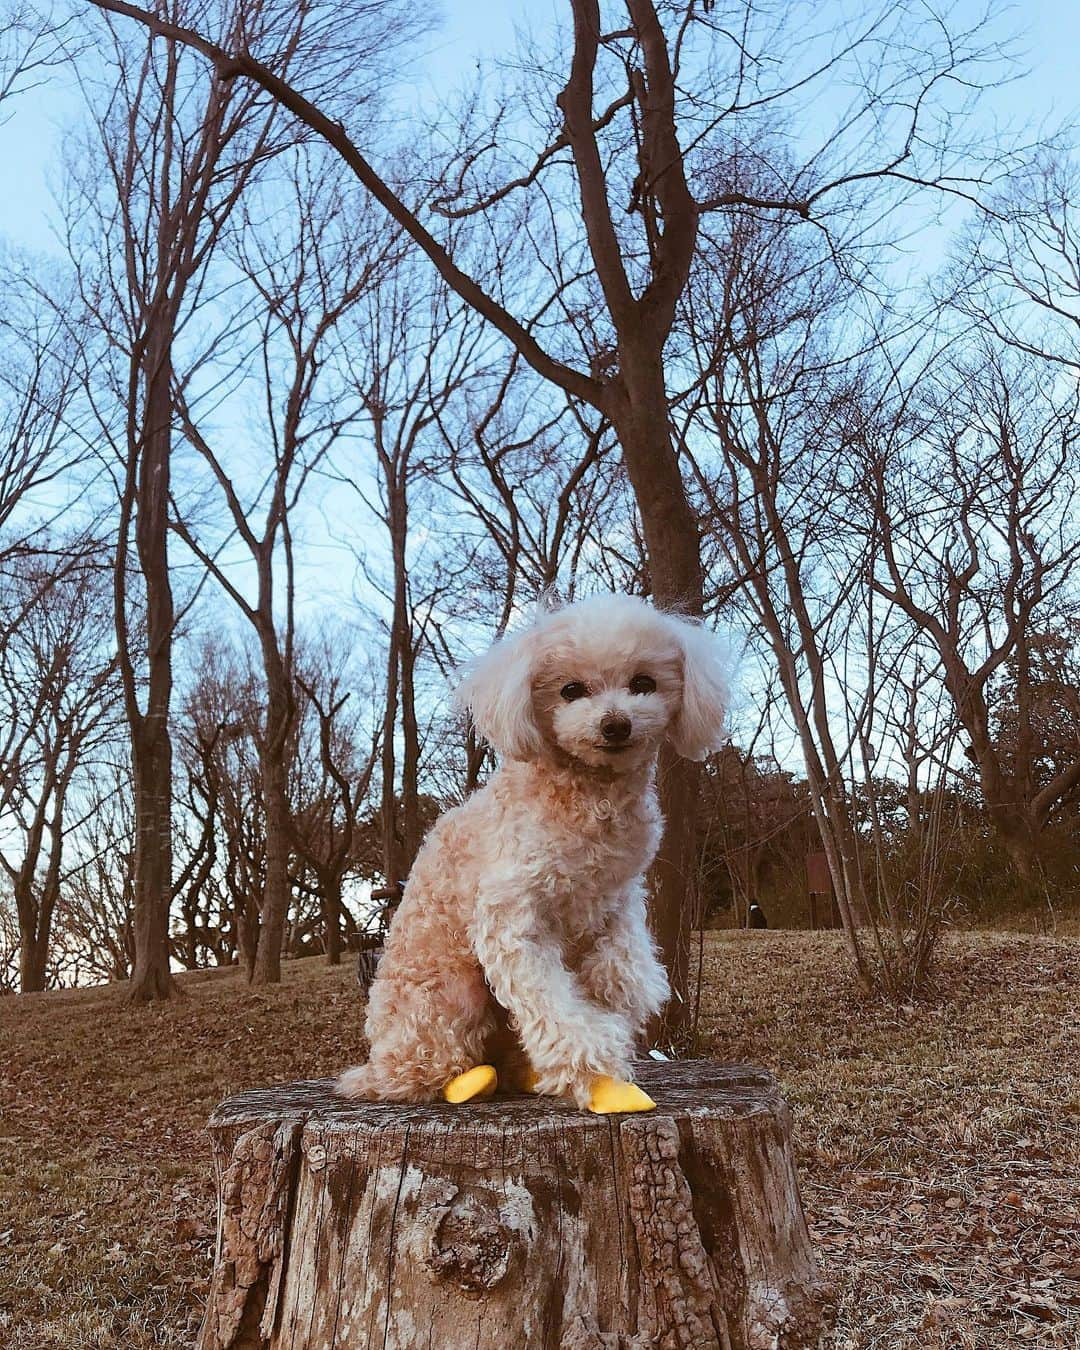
(1047, 34)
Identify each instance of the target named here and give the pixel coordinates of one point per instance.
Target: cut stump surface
(515, 1222)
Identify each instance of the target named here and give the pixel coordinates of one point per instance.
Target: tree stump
(516, 1222)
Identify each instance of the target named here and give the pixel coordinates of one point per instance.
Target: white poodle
(520, 952)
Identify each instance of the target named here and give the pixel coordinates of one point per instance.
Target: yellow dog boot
(472, 1085)
(612, 1097)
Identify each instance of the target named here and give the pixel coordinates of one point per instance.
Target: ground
(939, 1143)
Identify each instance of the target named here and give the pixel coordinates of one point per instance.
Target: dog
(521, 944)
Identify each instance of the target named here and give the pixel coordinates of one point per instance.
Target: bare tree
(754, 820)
(772, 426)
(413, 352)
(533, 502)
(977, 541)
(9, 948)
(93, 931)
(180, 146)
(223, 877)
(42, 436)
(327, 819)
(214, 714)
(58, 686)
(306, 287)
(644, 143)
(543, 479)
(1018, 268)
(164, 135)
(32, 39)
(1035, 706)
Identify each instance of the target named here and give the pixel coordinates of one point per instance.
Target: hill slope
(938, 1143)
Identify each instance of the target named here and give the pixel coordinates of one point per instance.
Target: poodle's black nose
(615, 728)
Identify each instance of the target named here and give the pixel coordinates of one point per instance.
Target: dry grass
(938, 1143)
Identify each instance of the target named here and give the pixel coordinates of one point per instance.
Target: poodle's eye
(643, 684)
(575, 689)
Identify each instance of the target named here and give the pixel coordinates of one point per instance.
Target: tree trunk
(151, 746)
(246, 916)
(674, 895)
(275, 759)
(275, 898)
(515, 1222)
(33, 962)
(410, 760)
(152, 882)
(1021, 839)
(332, 919)
(400, 817)
(393, 869)
(640, 418)
(34, 924)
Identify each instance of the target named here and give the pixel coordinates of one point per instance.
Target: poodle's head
(603, 681)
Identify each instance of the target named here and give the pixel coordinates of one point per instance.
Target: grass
(938, 1143)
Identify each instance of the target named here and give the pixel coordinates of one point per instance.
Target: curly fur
(522, 938)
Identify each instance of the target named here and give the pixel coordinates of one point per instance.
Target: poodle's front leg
(569, 1039)
(622, 971)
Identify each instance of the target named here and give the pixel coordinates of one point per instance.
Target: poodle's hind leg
(422, 1036)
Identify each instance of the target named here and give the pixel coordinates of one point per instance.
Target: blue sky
(31, 135)
(32, 130)
(1045, 94)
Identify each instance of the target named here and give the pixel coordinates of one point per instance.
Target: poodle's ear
(698, 728)
(497, 691)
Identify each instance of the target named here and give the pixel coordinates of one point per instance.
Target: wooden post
(517, 1222)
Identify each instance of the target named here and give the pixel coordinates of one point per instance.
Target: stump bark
(516, 1222)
